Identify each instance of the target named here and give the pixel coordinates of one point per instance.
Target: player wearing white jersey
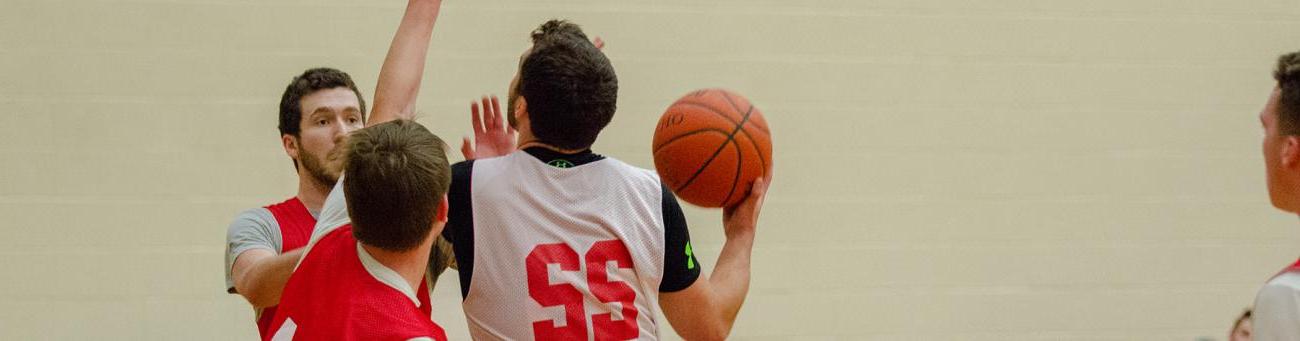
(557, 242)
(556, 239)
(1277, 306)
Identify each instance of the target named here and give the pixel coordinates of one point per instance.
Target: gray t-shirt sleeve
(253, 229)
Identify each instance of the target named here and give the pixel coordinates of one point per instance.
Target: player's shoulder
(1283, 289)
(1277, 304)
(338, 237)
(253, 218)
(632, 171)
(260, 213)
(392, 317)
(328, 245)
(1286, 282)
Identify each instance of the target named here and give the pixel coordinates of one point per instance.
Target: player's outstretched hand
(492, 135)
(742, 219)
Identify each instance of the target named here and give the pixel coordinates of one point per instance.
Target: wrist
(740, 235)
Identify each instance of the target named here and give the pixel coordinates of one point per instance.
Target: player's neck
(410, 264)
(529, 142)
(312, 193)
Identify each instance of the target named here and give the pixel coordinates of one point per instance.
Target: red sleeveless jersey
(337, 293)
(296, 224)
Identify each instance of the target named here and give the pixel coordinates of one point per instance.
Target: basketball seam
(687, 134)
(730, 137)
(656, 149)
(740, 162)
(719, 113)
(762, 160)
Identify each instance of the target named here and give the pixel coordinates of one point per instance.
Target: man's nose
(344, 128)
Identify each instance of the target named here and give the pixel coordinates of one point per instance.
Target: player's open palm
(492, 135)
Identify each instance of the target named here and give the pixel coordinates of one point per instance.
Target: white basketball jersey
(564, 253)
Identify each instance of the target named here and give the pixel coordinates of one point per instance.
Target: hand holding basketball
(743, 218)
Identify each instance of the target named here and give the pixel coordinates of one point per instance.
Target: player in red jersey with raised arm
(256, 267)
(317, 110)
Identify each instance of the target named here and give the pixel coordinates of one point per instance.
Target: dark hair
(309, 82)
(570, 86)
(1288, 101)
(396, 174)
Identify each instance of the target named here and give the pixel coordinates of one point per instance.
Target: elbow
(258, 301)
(254, 297)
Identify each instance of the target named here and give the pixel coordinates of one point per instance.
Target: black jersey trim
(681, 268)
(563, 160)
(460, 222)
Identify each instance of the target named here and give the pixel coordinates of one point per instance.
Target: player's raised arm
(707, 309)
(399, 78)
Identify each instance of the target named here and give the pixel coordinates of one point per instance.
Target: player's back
(339, 292)
(564, 251)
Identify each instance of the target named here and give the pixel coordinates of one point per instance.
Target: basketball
(710, 146)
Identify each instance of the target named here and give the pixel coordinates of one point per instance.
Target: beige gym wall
(946, 170)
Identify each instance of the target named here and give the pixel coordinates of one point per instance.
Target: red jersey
(339, 292)
(296, 224)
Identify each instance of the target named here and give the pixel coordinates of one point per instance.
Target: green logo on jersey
(560, 163)
(690, 257)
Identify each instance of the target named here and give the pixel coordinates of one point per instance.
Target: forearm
(399, 78)
(730, 278)
(263, 282)
(707, 309)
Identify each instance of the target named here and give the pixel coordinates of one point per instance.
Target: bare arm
(707, 309)
(399, 78)
(260, 275)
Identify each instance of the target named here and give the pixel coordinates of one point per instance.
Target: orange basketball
(709, 147)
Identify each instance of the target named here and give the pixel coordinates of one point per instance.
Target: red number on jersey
(548, 295)
(605, 326)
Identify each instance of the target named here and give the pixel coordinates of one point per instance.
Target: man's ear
(521, 109)
(1290, 152)
(291, 146)
(441, 215)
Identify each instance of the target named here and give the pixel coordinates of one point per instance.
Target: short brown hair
(1287, 75)
(395, 176)
(570, 86)
(309, 82)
